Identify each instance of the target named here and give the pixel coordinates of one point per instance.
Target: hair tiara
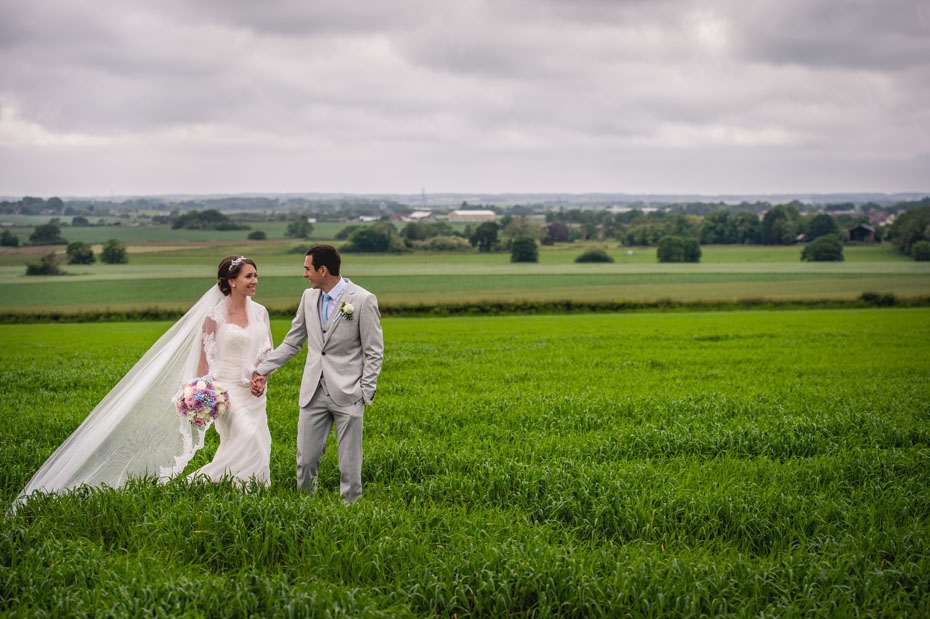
(232, 266)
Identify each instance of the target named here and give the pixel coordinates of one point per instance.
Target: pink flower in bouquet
(201, 400)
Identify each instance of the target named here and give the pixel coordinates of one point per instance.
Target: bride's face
(245, 282)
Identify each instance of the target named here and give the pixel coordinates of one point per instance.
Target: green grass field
(646, 465)
(135, 234)
(173, 275)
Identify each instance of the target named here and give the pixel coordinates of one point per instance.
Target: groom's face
(311, 274)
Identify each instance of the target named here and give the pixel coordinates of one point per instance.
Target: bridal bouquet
(201, 400)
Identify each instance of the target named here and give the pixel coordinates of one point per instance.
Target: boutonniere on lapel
(347, 311)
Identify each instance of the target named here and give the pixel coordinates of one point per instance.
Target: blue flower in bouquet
(201, 400)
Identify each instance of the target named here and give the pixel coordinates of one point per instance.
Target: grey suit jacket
(346, 352)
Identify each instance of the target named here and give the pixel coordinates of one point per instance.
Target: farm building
(861, 232)
(419, 216)
(472, 216)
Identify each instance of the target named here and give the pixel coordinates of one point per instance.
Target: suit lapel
(313, 320)
(334, 317)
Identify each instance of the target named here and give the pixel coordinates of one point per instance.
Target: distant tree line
(747, 223)
(782, 224)
(487, 236)
(33, 206)
(209, 219)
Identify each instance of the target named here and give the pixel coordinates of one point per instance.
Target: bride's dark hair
(229, 268)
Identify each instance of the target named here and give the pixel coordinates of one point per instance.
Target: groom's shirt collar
(337, 291)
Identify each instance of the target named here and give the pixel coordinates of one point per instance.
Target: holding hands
(258, 384)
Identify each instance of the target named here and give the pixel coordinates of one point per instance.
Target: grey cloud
(298, 18)
(516, 88)
(73, 71)
(892, 34)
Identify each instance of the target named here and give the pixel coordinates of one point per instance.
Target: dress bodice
(232, 352)
(233, 344)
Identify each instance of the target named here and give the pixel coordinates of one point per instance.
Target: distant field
(173, 275)
(128, 233)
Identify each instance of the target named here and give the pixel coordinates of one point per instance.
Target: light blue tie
(326, 300)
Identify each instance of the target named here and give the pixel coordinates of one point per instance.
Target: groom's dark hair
(325, 256)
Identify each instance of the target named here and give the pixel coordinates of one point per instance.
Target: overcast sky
(117, 97)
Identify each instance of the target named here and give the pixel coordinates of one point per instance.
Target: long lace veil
(135, 430)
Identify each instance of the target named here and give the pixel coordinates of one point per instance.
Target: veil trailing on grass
(135, 431)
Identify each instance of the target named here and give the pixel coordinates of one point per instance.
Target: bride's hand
(258, 384)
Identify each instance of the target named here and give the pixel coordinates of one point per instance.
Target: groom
(341, 324)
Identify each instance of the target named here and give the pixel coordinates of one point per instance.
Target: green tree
(521, 226)
(611, 227)
(718, 227)
(523, 249)
(370, 240)
(780, 225)
(823, 249)
(55, 204)
(415, 231)
(589, 231)
(423, 230)
(80, 253)
(910, 227)
(670, 249)
(47, 234)
(485, 236)
(692, 250)
(557, 232)
(378, 238)
(48, 265)
(685, 226)
(8, 239)
(30, 205)
(113, 252)
(644, 234)
(209, 219)
(748, 227)
(347, 232)
(820, 225)
(257, 235)
(299, 229)
(921, 251)
(595, 254)
(442, 243)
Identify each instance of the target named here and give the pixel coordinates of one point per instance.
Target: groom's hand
(258, 384)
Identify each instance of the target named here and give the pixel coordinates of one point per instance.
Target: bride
(135, 431)
(236, 337)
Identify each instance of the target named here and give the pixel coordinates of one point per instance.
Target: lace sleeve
(261, 340)
(268, 344)
(207, 346)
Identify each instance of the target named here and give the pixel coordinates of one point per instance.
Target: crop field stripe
(282, 292)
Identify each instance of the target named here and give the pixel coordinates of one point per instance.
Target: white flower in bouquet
(201, 400)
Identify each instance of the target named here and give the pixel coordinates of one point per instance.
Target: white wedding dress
(232, 353)
(135, 430)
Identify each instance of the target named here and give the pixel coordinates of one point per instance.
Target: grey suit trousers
(313, 427)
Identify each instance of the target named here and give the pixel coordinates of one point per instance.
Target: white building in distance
(419, 216)
(472, 216)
